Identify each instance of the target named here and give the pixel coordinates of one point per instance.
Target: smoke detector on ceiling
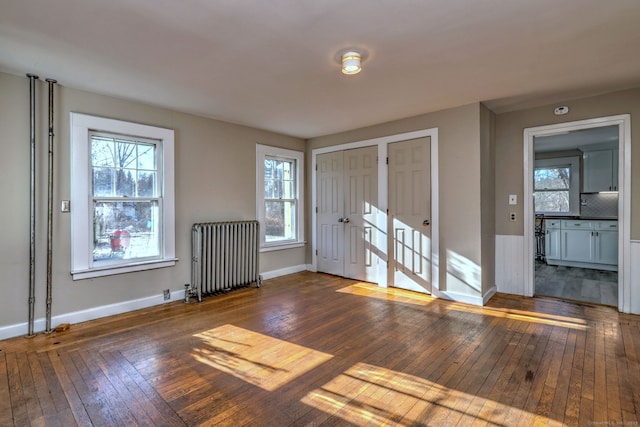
(559, 111)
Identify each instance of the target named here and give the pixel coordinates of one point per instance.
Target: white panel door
(330, 205)
(410, 214)
(361, 201)
(347, 189)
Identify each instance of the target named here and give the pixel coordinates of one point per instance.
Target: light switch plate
(65, 206)
(513, 199)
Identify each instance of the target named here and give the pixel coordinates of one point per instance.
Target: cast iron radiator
(224, 257)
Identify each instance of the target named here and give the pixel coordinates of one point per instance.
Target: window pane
(552, 201)
(552, 178)
(126, 154)
(124, 183)
(280, 220)
(146, 184)
(147, 156)
(102, 182)
(102, 152)
(279, 179)
(125, 230)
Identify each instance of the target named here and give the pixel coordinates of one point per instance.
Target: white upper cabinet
(600, 170)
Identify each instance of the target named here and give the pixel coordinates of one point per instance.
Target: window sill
(129, 268)
(282, 247)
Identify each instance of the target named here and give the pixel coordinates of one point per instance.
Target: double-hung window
(279, 195)
(556, 186)
(122, 197)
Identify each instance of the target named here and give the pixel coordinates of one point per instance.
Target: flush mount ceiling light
(351, 62)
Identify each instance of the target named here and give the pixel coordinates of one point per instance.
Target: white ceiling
(275, 64)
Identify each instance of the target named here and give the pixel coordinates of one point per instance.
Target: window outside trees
(552, 187)
(122, 195)
(279, 191)
(279, 199)
(125, 198)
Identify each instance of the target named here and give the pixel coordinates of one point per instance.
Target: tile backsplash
(599, 205)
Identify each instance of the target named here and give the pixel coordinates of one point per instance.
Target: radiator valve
(189, 291)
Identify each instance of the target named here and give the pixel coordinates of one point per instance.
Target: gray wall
(215, 180)
(509, 149)
(461, 153)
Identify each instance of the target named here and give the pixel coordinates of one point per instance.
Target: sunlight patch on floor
(370, 395)
(258, 359)
(526, 316)
(388, 294)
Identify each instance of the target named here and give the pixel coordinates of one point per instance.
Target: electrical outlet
(167, 294)
(512, 216)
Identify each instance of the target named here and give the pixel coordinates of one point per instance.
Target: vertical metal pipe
(32, 247)
(48, 329)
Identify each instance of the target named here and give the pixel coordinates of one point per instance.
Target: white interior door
(410, 214)
(347, 190)
(361, 200)
(330, 206)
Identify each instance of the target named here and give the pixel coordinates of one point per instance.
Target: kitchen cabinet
(577, 241)
(552, 239)
(582, 243)
(600, 170)
(606, 242)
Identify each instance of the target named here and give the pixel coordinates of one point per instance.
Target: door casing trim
(623, 122)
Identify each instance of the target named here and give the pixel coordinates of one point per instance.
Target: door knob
(340, 219)
(426, 222)
(346, 220)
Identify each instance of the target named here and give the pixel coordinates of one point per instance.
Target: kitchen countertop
(603, 218)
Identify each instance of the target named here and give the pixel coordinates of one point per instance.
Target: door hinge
(316, 209)
(387, 211)
(387, 160)
(316, 252)
(316, 167)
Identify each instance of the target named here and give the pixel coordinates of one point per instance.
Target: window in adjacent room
(122, 197)
(279, 195)
(556, 186)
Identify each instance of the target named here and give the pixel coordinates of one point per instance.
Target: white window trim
(263, 151)
(81, 235)
(574, 185)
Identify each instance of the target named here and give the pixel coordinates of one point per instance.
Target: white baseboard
(634, 279)
(284, 271)
(39, 325)
(489, 294)
(459, 297)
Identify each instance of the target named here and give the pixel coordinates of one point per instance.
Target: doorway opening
(577, 211)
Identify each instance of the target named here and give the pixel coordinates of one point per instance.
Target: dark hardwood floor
(311, 349)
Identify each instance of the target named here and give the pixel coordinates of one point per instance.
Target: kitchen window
(556, 186)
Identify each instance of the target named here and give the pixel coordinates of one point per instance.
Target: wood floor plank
(313, 349)
(80, 415)
(55, 392)
(572, 408)
(6, 411)
(170, 416)
(18, 401)
(48, 411)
